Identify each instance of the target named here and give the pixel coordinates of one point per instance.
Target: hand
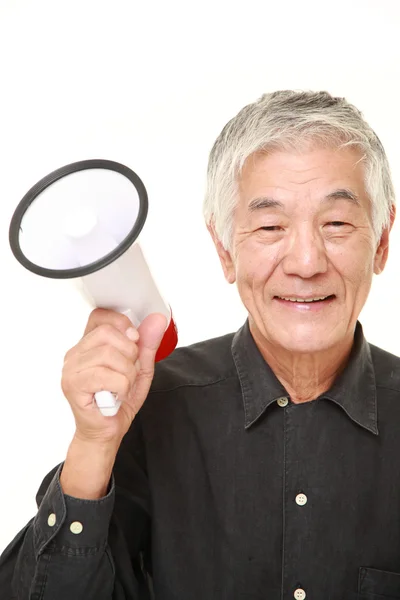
(112, 355)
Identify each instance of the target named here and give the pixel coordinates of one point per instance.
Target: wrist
(87, 470)
(103, 447)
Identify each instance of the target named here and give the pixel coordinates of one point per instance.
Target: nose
(305, 254)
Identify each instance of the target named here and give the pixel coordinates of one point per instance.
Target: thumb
(151, 332)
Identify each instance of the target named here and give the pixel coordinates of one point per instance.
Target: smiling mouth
(311, 300)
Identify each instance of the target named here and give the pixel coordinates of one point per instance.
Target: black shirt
(223, 489)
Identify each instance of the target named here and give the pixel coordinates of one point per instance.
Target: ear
(382, 250)
(224, 256)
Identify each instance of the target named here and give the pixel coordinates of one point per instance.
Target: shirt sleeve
(83, 549)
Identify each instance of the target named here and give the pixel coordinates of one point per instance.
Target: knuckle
(147, 372)
(95, 317)
(107, 353)
(99, 379)
(106, 329)
(114, 319)
(69, 384)
(103, 334)
(123, 322)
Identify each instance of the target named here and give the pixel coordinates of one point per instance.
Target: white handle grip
(108, 403)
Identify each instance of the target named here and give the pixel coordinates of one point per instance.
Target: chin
(305, 340)
(303, 346)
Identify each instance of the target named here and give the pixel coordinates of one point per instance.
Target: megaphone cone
(83, 221)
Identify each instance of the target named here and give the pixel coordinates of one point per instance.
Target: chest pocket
(376, 585)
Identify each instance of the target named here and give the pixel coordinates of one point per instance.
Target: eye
(337, 223)
(270, 228)
(338, 229)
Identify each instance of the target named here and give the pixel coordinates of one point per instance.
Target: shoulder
(387, 368)
(199, 364)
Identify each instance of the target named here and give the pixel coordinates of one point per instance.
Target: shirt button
(301, 499)
(51, 521)
(76, 527)
(299, 594)
(283, 401)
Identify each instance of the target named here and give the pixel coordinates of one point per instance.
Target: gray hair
(287, 120)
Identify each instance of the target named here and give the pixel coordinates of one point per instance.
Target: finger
(98, 379)
(103, 316)
(103, 356)
(151, 332)
(106, 334)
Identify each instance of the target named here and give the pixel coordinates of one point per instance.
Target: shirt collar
(354, 389)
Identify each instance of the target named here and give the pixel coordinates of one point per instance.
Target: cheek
(255, 263)
(355, 265)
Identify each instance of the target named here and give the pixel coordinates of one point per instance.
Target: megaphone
(83, 221)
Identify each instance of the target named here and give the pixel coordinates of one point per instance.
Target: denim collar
(354, 390)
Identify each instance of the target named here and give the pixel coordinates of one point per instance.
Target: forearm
(87, 469)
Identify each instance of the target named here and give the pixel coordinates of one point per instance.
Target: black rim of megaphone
(41, 185)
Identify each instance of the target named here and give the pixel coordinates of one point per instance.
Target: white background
(151, 84)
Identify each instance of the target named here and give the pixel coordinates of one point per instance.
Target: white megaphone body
(83, 221)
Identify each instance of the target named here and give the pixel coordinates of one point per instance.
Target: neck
(304, 376)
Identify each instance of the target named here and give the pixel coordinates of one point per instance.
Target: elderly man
(260, 465)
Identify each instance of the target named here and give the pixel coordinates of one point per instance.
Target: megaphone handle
(107, 402)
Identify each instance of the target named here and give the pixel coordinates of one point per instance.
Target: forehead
(314, 173)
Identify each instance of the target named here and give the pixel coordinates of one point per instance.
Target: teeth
(302, 299)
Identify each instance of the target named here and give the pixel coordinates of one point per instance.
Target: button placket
(295, 500)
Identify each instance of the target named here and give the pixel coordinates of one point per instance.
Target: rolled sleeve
(71, 525)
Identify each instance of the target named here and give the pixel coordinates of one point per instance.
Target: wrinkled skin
(303, 244)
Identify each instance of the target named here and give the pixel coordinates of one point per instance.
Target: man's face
(303, 230)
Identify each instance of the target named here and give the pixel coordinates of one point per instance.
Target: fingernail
(132, 334)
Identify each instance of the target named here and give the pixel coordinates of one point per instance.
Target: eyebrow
(266, 202)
